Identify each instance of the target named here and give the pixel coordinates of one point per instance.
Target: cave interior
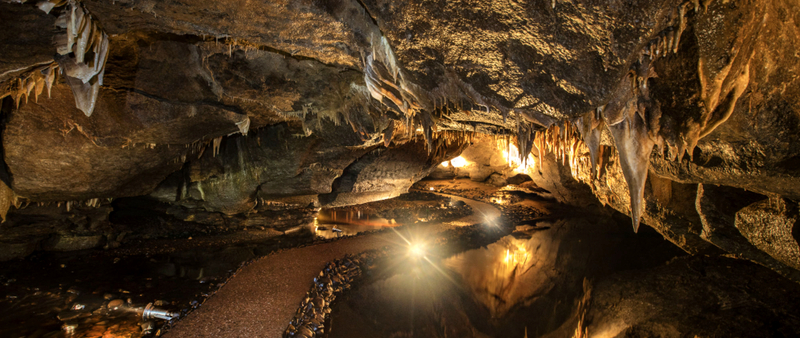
(376, 168)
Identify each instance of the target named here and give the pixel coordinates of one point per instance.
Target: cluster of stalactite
(447, 140)
(387, 84)
(633, 118)
(81, 54)
(8, 199)
(561, 140)
(34, 81)
(624, 115)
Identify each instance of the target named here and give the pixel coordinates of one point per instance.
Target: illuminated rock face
(220, 106)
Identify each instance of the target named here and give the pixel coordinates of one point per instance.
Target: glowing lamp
(416, 250)
(458, 162)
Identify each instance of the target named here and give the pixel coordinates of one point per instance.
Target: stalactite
(428, 127)
(81, 37)
(634, 147)
(33, 81)
(244, 125)
(624, 115)
(217, 141)
(525, 140)
(538, 141)
(388, 134)
(590, 128)
(385, 81)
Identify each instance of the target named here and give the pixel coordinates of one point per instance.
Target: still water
(528, 283)
(98, 294)
(336, 223)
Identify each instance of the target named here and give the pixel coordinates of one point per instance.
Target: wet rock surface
(313, 311)
(772, 226)
(410, 208)
(728, 297)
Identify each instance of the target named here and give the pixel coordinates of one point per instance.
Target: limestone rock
(70, 242)
(772, 225)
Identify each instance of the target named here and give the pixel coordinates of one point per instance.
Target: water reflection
(510, 288)
(336, 223)
(506, 273)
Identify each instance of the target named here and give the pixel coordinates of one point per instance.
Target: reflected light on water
(332, 223)
(503, 274)
(516, 256)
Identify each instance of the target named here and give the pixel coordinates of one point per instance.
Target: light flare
(459, 162)
(416, 249)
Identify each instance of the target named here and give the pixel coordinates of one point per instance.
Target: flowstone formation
(229, 112)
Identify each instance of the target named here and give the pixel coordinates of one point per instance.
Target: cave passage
(383, 168)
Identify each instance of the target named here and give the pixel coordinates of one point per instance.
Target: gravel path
(260, 300)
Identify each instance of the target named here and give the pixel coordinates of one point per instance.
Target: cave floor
(261, 299)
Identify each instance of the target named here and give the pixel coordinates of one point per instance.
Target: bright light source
(417, 250)
(445, 164)
(458, 162)
(432, 189)
(511, 155)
